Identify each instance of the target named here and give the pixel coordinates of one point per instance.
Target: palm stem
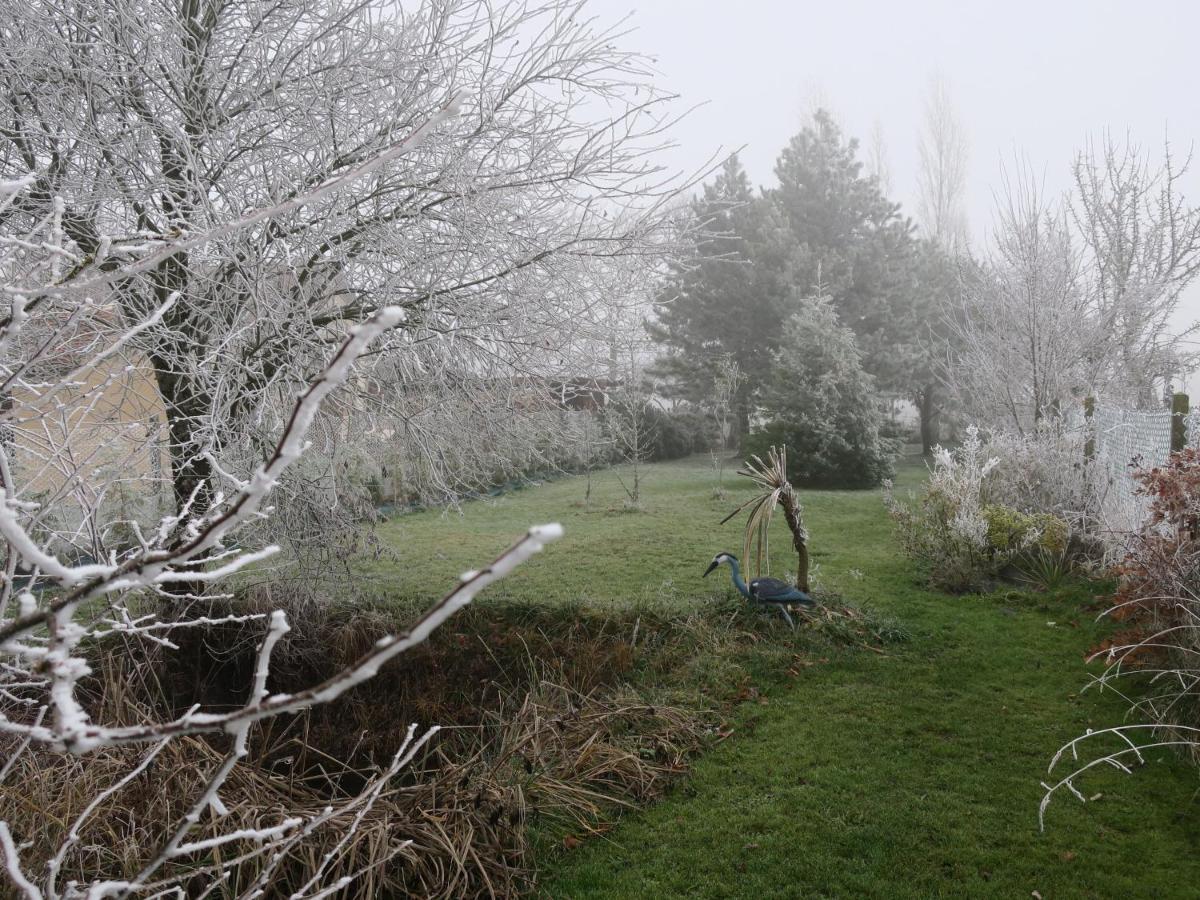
(771, 477)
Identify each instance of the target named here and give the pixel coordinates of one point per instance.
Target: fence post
(1089, 446)
(1179, 409)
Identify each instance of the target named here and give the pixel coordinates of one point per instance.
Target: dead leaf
(570, 842)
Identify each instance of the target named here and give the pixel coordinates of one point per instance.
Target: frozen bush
(1043, 473)
(945, 528)
(1010, 529)
(952, 529)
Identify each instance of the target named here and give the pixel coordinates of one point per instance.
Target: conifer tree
(821, 405)
(849, 236)
(729, 301)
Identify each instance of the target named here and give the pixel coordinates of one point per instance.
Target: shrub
(679, 432)
(945, 528)
(824, 461)
(1046, 570)
(899, 432)
(1010, 530)
(1158, 593)
(961, 539)
(1043, 472)
(1158, 604)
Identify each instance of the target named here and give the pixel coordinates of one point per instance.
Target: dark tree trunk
(175, 354)
(741, 422)
(187, 406)
(927, 410)
(191, 472)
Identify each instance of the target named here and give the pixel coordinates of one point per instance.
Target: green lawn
(610, 555)
(914, 774)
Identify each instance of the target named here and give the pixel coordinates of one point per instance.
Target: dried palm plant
(774, 490)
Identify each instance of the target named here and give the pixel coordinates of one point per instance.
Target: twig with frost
(1117, 759)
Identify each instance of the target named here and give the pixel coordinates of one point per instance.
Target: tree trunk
(742, 423)
(191, 472)
(174, 354)
(927, 411)
(791, 513)
(191, 469)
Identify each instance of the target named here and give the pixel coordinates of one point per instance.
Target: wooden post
(1089, 446)
(1179, 409)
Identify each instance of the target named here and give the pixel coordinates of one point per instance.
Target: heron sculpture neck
(735, 572)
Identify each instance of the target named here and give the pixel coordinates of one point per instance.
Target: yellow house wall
(106, 432)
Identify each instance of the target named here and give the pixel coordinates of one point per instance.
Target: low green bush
(679, 432)
(1011, 531)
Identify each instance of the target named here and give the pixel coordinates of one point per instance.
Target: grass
(610, 555)
(910, 774)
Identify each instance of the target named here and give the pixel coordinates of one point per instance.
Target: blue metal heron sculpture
(762, 591)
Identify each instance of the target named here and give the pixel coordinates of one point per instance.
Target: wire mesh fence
(1125, 441)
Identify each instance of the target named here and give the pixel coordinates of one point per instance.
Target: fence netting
(1126, 440)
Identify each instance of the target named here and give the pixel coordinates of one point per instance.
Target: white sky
(1035, 78)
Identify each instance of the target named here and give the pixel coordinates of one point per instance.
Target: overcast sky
(1035, 78)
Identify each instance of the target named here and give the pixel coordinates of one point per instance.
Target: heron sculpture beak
(711, 567)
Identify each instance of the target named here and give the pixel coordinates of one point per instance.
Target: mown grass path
(914, 774)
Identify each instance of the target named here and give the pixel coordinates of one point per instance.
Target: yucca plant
(774, 490)
(1045, 570)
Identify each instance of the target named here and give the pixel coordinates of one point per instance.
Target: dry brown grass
(559, 756)
(540, 735)
(544, 733)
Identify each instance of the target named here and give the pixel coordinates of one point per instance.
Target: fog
(1030, 81)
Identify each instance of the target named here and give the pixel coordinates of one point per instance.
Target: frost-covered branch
(63, 605)
(486, 167)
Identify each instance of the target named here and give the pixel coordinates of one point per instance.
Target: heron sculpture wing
(772, 590)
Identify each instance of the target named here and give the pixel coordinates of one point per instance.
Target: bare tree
(58, 613)
(877, 159)
(155, 121)
(628, 421)
(727, 381)
(1079, 300)
(208, 208)
(594, 450)
(1021, 331)
(1142, 243)
(942, 176)
(629, 413)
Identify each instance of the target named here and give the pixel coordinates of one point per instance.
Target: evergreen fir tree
(822, 406)
(849, 236)
(731, 299)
